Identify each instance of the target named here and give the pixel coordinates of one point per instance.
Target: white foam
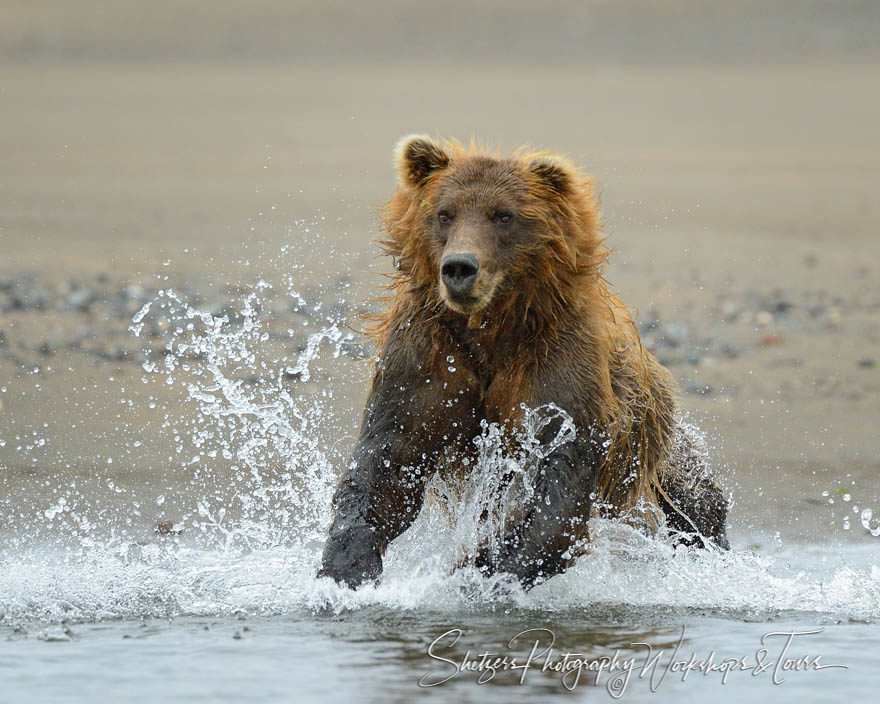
(624, 568)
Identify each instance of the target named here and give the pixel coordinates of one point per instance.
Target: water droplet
(872, 526)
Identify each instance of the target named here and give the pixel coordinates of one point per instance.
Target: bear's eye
(444, 217)
(502, 218)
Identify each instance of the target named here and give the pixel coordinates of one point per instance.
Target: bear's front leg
(406, 423)
(541, 545)
(377, 499)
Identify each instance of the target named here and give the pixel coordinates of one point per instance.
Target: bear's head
(480, 233)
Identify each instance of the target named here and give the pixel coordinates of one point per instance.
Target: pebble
(78, 299)
(168, 527)
(833, 316)
(764, 318)
(675, 333)
(729, 310)
(867, 363)
(730, 351)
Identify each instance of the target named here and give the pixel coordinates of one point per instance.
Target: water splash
(282, 476)
(869, 523)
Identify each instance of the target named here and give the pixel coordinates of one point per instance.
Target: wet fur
(549, 332)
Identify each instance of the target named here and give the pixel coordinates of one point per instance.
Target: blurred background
(207, 146)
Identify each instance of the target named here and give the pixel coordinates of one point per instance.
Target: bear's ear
(417, 157)
(555, 172)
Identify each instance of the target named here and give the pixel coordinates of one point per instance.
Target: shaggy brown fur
(498, 266)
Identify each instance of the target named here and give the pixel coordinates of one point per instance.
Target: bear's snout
(459, 272)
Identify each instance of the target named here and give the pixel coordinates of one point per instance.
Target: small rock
(25, 297)
(771, 340)
(729, 310)
(781, 306)
(730, 351)
(833, 316)
(867, 362)
(764, 318)
(79, 299)
(168, 527)
(674, 334)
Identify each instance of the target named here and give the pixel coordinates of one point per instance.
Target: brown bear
(498, 265)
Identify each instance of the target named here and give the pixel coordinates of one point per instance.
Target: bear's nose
(459, 271)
